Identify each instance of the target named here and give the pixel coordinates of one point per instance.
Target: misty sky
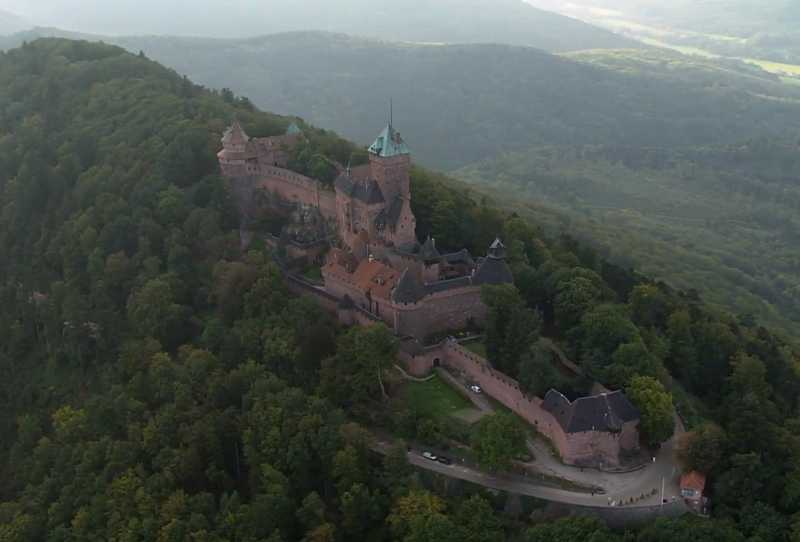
(192, 17)
(216, 18)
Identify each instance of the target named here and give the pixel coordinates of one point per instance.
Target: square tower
(390, 164)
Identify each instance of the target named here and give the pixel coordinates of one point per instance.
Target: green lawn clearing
(435, 398)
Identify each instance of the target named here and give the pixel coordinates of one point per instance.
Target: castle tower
(390, 164)
(390, 167)
(235, 151)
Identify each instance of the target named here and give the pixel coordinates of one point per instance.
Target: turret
(235, 153)
(494, 269)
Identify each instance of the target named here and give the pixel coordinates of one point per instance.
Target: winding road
(620, 488)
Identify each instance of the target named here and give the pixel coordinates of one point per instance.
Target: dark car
(444, 460)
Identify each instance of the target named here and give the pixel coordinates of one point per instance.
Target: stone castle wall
(589, 448)
(442, 311)
(296, 188)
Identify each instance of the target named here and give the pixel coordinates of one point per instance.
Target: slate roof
(451, 284)
(428, 251)
(497, 249)
(605, 412)
(235, 135)
(409, 289)
(389, 143)
(493, 271)
(367, 191)
(462, 256)
(376, 278)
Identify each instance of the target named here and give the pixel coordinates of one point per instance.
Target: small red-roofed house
(693, 484)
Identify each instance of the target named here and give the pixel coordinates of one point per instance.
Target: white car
(475, 389)
(428, 455)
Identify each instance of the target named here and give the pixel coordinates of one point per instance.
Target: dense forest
(160, 384)
(719, 219)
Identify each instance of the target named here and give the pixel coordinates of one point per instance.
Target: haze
(244, 18)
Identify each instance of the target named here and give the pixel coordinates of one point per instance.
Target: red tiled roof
(376, 277)
(693, 480)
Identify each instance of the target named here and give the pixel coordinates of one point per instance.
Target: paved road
(662, 474)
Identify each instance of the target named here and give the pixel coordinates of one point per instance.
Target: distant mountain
(10, 23)
(462, 103)
(441, 21)
(764, 29)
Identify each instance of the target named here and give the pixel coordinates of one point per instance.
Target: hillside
(720, 219)
(463, 103)
(435, 21)
(160, 384)
(760, 29)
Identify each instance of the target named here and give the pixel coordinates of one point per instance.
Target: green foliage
(354, 377)
(511, 327)
(538, 372)
(571, 529)
(702, 450)
(159, 384)
(496, 440)
(698, 217)
(655, 404)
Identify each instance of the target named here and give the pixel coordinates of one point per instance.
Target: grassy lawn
(476, 347)
(436, 398)
(313, 274)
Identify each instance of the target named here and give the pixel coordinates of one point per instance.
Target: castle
(377, 270)
(377, 263)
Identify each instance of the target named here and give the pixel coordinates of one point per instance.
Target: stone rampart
(297, 188)
(442, 311)
(588, 448)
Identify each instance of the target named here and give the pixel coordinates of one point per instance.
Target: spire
(494, 269)
(235, 135)
(497, 250)
(389, 143)
(391, 112)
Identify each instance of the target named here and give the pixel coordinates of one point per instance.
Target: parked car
(444, 460)
(428, 455)
(475, 388)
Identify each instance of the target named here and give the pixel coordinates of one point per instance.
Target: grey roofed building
(494, 269)
(408, 289)
(428, 252)
(604, 412)
(462, 256)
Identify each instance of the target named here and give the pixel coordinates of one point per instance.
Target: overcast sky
(221, 18)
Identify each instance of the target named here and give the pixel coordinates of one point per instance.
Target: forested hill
(157, 383)
(462, 103)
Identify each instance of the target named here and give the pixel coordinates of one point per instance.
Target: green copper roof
(389, 143)
(293, 129)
